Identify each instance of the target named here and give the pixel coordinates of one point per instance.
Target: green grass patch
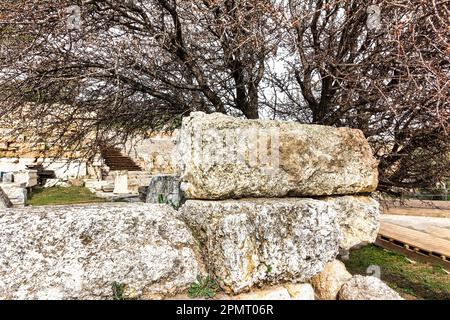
(60, 196)
(205, 287)
(419, 280)
(118, 289)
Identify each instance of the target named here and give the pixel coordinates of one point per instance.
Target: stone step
(117, 161)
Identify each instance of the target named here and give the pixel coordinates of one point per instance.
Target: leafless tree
(390, 80)
(100, 70)
(128, 66)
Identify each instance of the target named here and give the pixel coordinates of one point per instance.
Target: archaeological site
(189, 155)
(265, 208)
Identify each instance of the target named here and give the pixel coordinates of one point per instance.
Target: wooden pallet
(415, 244)
(420, 212)
(438, 232)
(413, 255)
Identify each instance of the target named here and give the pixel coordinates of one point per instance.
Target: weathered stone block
(358, 218)
(251, 242)
(301, 291)
(8, 177)
(367, 288)
(97, 185)
(165, 189)
(56, 183)
(29, 177)
(121, 182)
(328, 282)
(222, 157)
(16, 192)
(78, 252)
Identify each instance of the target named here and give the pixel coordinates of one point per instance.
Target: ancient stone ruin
(264, 207)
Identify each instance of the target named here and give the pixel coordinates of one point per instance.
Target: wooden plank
(416, 238)
(438, 232)
(417, 204)
(420, 212)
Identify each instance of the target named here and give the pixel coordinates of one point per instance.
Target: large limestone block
(16, 192)
(328, 283)
(222, 157)
(28, 177)
(367, 288)
(96, 185)
(79, 252)
(251, 242)
(358, 218)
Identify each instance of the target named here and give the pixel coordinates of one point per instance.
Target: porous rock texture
(358, 219)
(286, 291)
(222, 157)
(328, 282)
(253, 242)
(301, 291)
(165, 189)
(367, 288)
(79, 252)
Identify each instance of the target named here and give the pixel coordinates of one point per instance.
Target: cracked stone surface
(221, 157)
(78, 252)
(253, 242)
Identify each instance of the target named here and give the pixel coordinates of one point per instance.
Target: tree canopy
(100, 69)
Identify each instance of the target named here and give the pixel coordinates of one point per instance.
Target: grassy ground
(412, 280)
(59, 196)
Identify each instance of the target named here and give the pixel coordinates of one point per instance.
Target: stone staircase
(116, 161)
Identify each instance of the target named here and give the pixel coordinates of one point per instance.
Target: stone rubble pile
(264, 208)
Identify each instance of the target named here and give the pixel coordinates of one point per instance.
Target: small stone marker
(121, 182)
